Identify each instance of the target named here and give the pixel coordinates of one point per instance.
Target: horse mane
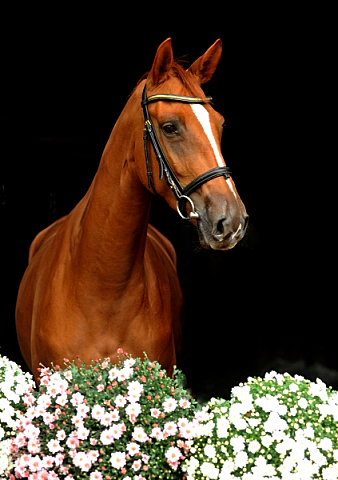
(177, 70)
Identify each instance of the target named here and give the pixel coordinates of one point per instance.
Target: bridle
(181, 193)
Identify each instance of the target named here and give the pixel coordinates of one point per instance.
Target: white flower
(302, 402)
(293, 387)
(209, 470)
(266, 440)
(325, 444)
(241, 459)
(237, 443)
(210, 451)
(274, 422)
(242, 393)
(318, 389)
(271, 404)
(223, 425)
(254, 446)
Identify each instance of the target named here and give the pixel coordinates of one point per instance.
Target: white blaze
(203, 117)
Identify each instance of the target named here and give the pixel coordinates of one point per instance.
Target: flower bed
(279, 427)
(131, 422)
(14, 384)
(128, 421)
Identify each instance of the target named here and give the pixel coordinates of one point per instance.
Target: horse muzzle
(221, 234)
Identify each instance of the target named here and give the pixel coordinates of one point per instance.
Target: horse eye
(169, 129)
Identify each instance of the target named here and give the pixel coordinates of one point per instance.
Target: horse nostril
(220, 227)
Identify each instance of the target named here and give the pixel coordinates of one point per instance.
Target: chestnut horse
(102, 277)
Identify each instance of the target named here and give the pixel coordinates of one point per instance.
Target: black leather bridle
(181, 193)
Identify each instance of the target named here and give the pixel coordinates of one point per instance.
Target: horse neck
(114, 226)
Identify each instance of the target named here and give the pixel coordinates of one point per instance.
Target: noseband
(181, 193)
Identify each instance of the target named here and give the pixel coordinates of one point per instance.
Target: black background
(270, 302)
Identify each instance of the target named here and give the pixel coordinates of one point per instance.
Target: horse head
(187, 148)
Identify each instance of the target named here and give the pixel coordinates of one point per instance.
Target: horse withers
(102, 277)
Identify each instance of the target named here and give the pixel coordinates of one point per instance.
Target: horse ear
(162, 63)
(204, 67)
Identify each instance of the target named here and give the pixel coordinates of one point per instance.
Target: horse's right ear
(162, 63)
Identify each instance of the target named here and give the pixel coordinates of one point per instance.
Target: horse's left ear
(204, 67)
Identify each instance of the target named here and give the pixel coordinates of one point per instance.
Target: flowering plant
(14, 384)
(127, 421)
(277, 427)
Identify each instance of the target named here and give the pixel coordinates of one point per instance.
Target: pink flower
(188, 431)
(140, 435)
(133, 409)
(54, 446)
(53, 476)
(82, 410)
(118, 459)
(113, 373)
(93, 455)
(96, 476)
(136, 465)
(124, 374)
(173, 454)
(72, 441)
(155, 412)
(68, 375)
(120, 401)
(48, 418)
(59, 458)
(117, 430)
(76, 399)
(48, 462)
(82, 433)
(169, 405)
(157, 433)
(184, 403)
(106, 419)
(133, 448)
(106, 437)
(61, 435)
(35, 463)
(97, 412)
(62, 400)
(33, 445)
(81, 460)
(170, 428)
(100, 387)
